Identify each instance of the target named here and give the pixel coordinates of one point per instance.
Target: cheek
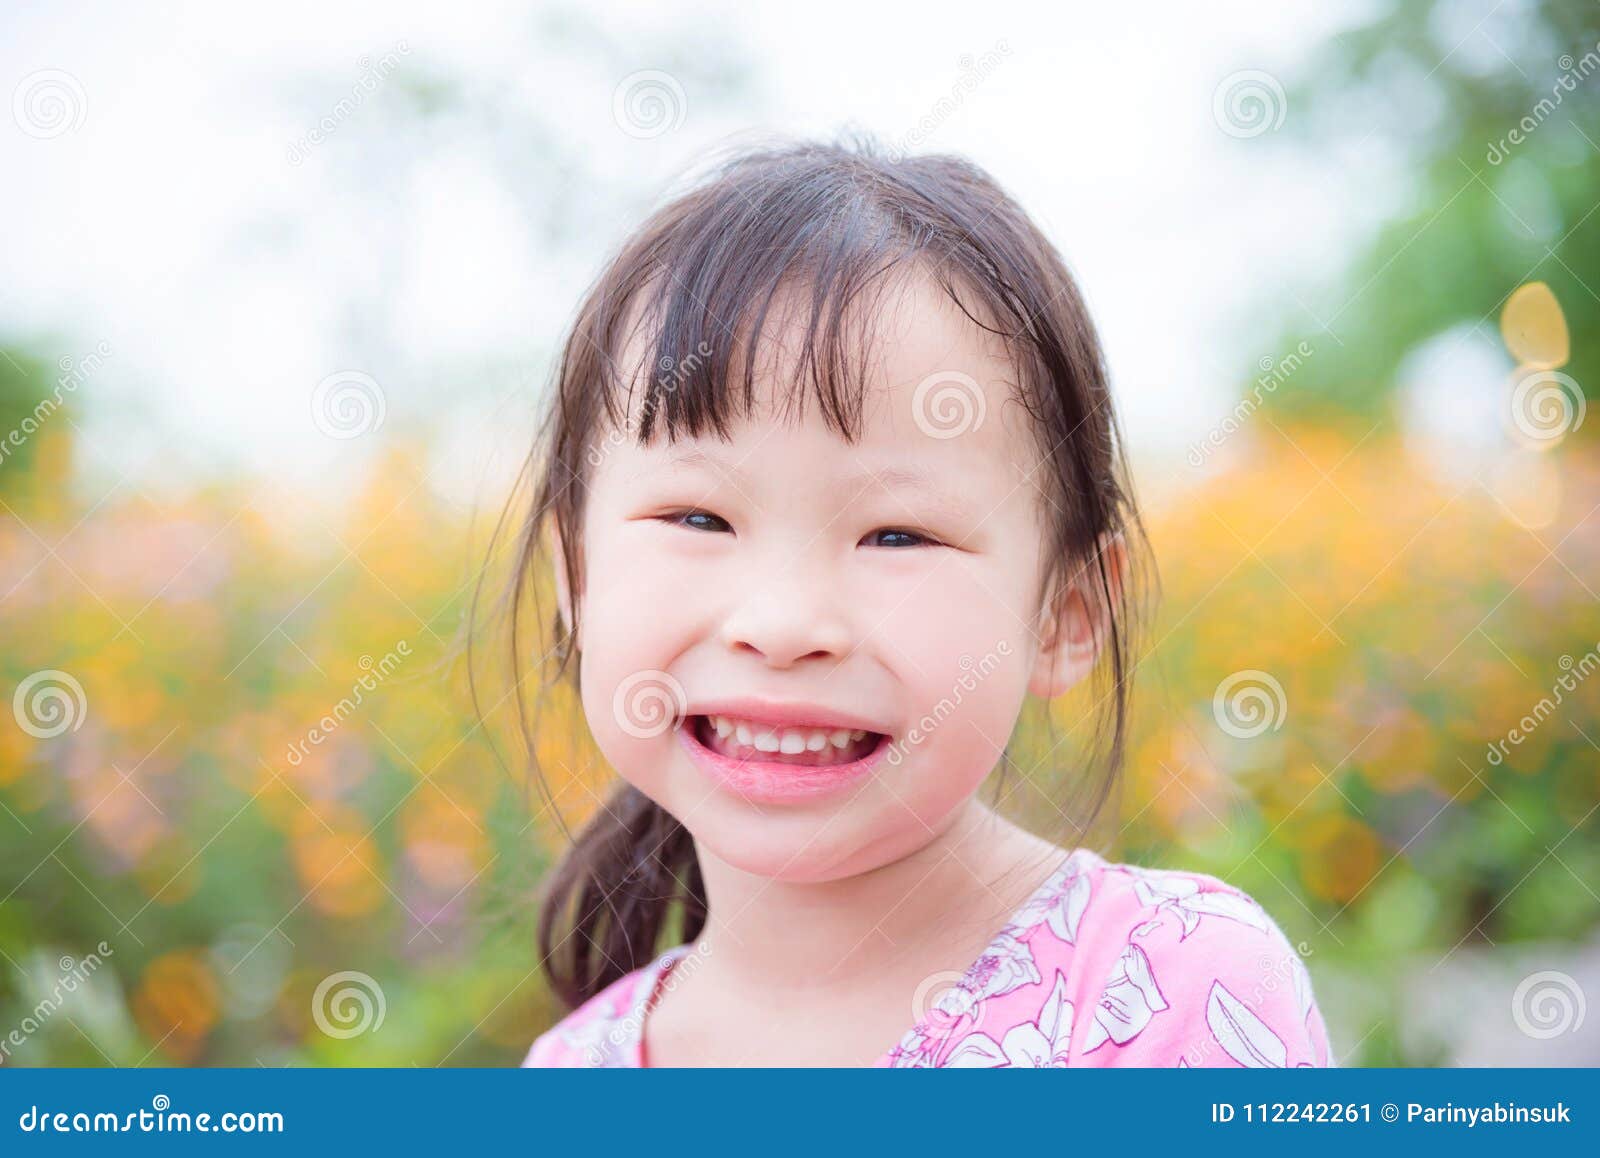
(962, 651)
(962, 622)
(639, 608)
(628, 648)
(630, 709)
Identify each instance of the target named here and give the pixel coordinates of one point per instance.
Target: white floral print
(1104, 965)
(1248, 1039)
(1183, 897)
(1131, 998)
(1040, 1042)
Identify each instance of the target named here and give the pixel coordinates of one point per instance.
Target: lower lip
(771, 782)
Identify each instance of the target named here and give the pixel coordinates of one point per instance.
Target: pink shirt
(1104, 965)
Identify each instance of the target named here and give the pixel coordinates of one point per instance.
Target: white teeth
(788, 741)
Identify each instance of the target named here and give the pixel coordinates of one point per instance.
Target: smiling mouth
(747, 740)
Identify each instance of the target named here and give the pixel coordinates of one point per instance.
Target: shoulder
(598, 1033)
(1180, 968)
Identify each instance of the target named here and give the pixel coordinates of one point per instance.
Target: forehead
(939, 395)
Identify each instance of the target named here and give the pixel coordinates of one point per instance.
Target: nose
(789, 612)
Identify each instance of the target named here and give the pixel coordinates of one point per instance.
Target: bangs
(779, 269)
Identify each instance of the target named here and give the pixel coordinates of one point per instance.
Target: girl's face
(791, 590)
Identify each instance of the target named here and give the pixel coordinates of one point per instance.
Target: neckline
(1068, 868)
(650, 986)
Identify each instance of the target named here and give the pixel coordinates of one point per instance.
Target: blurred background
(279, 296)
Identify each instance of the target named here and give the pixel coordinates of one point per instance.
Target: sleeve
(544, 1053)
(1193, 973)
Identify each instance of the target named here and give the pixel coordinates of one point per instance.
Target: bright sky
(442, 255)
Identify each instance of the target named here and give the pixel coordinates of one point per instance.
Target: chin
(787, 846)
(813, 847)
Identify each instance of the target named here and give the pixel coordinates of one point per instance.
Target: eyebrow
(890, 478)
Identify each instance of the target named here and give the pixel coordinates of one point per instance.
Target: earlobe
(1077, 622)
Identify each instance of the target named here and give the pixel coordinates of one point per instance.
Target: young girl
(830, 485)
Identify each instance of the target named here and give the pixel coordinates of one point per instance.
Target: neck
(960, 885)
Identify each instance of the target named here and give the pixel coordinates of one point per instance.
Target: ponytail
(631, 869)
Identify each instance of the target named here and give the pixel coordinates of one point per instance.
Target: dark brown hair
(686, 293)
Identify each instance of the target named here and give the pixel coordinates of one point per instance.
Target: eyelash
(681, 520)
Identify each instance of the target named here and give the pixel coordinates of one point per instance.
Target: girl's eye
(889, 537)
(698, 521)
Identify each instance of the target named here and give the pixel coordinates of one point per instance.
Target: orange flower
(177, 1003)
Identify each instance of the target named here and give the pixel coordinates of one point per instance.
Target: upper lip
(786, 714)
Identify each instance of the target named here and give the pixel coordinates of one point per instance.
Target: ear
(558, 555)
(1076, 621)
